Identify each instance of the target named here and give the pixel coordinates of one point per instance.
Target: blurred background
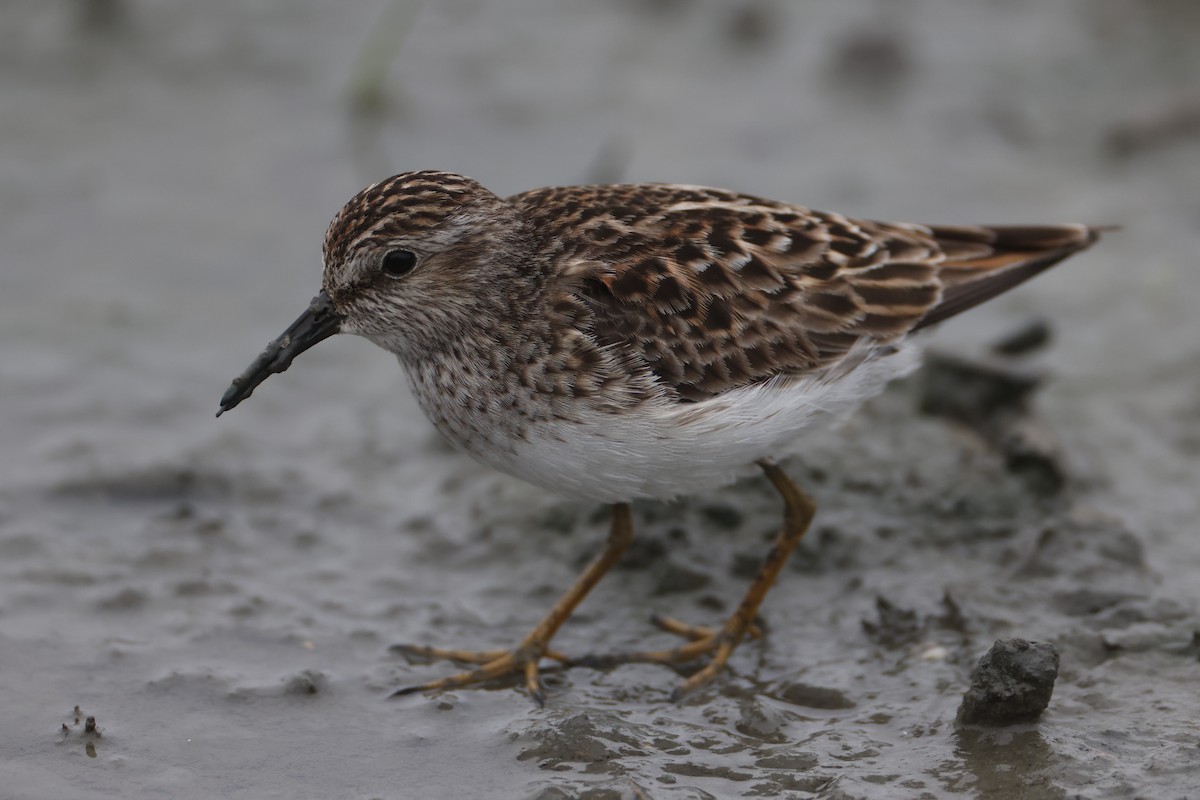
(221, 595)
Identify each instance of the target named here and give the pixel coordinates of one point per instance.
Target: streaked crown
(407, 204)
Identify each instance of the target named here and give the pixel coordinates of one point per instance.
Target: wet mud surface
(198, 608)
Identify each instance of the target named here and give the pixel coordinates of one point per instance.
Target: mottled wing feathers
(712, 290)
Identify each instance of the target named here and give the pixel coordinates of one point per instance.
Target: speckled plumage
(592, 339)
(616, 342)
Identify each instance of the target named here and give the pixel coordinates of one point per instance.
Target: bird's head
(410, 263)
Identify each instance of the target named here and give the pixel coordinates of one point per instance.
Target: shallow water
(222, 595)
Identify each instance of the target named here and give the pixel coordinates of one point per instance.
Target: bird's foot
(492, 665)
(525, 657)
(717, 644)
(696, 633)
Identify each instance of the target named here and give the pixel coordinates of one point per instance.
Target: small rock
(1011, 684)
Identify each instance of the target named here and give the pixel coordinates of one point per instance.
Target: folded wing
(714, 290)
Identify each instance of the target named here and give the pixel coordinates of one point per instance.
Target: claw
(526, 656)
(717, 644)
(533, 683)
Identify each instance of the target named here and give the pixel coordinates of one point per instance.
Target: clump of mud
(1012, 684)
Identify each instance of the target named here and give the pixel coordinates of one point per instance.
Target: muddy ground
(222, 595)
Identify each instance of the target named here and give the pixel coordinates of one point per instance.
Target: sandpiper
(633, 341)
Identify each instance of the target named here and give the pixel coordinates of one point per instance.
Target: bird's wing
(713, 290)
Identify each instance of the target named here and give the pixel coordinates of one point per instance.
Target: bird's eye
(399, 262)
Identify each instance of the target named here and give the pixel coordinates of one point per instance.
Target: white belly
(666, 449)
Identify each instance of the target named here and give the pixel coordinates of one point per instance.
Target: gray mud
(222, 596)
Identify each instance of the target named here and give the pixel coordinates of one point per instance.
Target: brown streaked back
(713, 290)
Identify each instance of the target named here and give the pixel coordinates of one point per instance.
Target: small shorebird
(640, 341)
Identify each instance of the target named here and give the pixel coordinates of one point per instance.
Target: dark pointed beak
(316, 324)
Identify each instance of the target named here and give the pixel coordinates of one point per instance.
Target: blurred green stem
(368, 82)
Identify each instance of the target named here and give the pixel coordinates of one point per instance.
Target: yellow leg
(719, 643)
(524, 658)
